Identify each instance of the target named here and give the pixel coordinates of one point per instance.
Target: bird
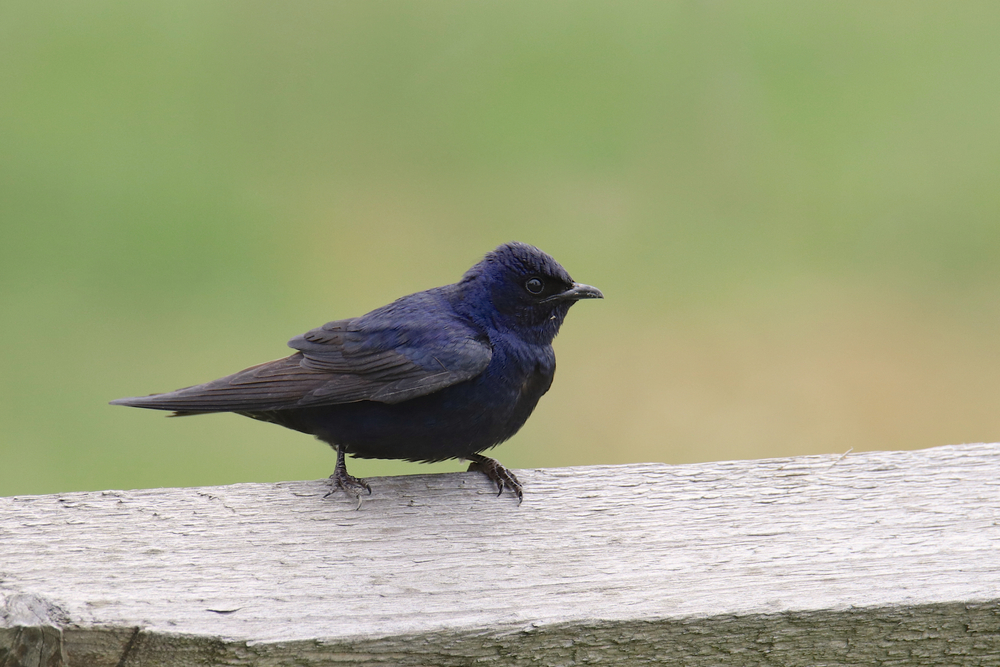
(441, 374)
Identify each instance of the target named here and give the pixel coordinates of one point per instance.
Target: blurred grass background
(791, 207)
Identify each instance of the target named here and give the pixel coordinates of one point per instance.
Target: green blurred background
(792, 209)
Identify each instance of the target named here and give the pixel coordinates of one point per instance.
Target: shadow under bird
(440, 374)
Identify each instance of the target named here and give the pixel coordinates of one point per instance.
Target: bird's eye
(534, 285)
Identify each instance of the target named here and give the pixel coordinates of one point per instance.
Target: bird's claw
(499, 475)
(349, 484)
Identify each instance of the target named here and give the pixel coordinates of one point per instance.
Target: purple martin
(441, 374)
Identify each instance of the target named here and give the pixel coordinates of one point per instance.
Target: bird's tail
(174, 400)
(272, 385)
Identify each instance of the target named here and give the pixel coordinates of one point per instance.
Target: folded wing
(363, 359)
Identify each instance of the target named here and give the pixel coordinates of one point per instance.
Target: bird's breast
(535, 384)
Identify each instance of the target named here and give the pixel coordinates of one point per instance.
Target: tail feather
(169, 401)
(272, 385)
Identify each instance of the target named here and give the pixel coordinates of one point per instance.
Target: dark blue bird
(436, 375)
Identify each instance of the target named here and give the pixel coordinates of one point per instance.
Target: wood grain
(883, 557)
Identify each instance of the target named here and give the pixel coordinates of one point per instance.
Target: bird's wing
(367, 360)
(342, 362)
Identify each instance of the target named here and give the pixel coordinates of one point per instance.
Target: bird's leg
(352, 486)
(503, 478)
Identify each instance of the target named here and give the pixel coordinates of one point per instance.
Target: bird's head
(519, 288)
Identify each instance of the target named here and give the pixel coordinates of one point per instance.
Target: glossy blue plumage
(440, 374)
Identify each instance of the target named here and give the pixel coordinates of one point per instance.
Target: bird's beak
(576, 292)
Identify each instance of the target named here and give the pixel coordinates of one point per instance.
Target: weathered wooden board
(885, 557)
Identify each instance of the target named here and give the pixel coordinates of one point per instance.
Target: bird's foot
(503, 478)
(349, 484)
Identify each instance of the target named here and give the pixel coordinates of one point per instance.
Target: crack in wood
(128, 647)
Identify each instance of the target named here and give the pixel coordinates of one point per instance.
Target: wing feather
(341, 362)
